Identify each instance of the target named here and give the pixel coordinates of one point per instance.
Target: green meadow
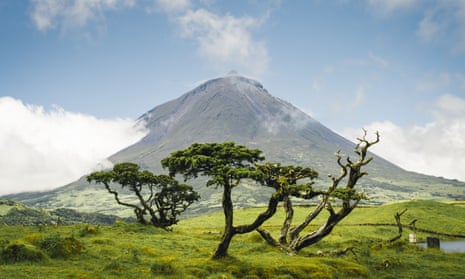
(130, 250)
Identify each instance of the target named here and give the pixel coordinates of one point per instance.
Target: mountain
(239, 109)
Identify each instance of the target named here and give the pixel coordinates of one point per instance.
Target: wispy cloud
(48, 14)
(442, 21)
(172, 6)
(389, 6)
(42, 149)
(378, 60)
(226, 41)
(436, 148)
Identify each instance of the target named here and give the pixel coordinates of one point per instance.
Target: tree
(160, 196)
(226, 164)
(346, 196)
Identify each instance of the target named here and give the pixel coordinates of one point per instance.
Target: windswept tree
(341, 191)
(226, 164)
(159, 199)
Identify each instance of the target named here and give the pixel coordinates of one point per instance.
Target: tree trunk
(287, 221)
(323, 230)
(313, 237)
(230, 230)
(222, 249)
(295, 232)
(228, 233)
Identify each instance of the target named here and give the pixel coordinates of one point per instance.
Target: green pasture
(130, 250)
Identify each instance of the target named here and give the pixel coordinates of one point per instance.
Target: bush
(88, 230)
(58, 247)
(19, 252)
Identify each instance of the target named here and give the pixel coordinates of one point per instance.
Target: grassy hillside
(129, 250)
(15, 213)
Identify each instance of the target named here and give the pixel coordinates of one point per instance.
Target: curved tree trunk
(137, 210)
(231, 230)
(324, 230)
(290, 240)
(228, 233)
(289, 210)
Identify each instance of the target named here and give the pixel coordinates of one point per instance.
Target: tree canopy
(226, 164)
(159, 196)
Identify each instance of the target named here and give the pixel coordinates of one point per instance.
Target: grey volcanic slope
(235, 108)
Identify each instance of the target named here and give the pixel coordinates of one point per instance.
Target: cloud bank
(42, 150)
(436, 148)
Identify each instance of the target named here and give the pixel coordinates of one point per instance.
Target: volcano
(239, 109)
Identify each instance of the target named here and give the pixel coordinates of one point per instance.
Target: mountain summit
(240, 109)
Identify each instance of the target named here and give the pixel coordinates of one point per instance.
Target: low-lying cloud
(44, 149)
(436, 148)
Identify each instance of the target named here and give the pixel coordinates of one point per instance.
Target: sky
(76, 74)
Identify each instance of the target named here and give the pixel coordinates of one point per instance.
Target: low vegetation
(132, 250)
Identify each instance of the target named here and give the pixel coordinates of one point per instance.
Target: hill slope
(235, 108)
(13, 214)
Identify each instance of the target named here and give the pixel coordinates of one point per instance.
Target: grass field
(129, 250)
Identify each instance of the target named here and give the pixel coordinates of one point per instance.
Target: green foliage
(21, 252)
(159, 196)
(131, 250)
(226, 164)
(219, 161)
(88, 230)
(57, 246)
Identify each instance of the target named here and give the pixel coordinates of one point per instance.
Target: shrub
(58, 247)
(19, 252)
(88, 230)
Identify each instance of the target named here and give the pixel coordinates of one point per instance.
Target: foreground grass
(133, 251)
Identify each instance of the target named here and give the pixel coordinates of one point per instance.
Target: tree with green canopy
(226, 164)
(159, 196)
(341, 191)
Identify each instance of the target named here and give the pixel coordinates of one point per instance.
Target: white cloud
(47, 14)
(436, 82)
(226, 41)
(389, 6)
(436, 148)
(41, 149)
(173, 6)
(378, 60)
(429, 28)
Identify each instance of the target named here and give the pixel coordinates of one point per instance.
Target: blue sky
(397, 66)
